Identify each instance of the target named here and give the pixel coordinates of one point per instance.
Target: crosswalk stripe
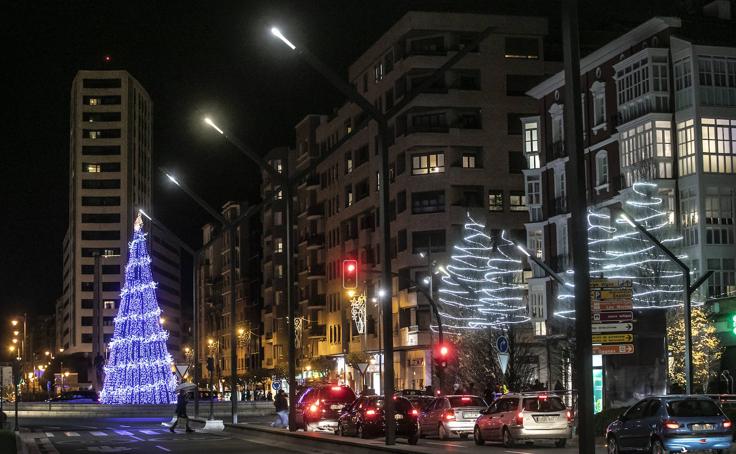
(99, 434)
(71, 434)
(123, 432)
(149, 432)
(49, 435)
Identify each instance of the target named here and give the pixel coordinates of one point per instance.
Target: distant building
(659, 104)
(111, 122)
(454, 149)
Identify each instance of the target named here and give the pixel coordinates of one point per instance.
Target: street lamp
(277, 33)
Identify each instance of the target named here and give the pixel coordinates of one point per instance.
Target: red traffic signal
(350, 274)
(442, 354)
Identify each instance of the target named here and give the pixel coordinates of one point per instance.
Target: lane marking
(123, 432)
(49, 435)
(162, 448)
(519, 452)
(149, 432)
(99, 434)
(71, 434)
(454, 445)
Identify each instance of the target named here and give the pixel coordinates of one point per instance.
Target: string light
(358, 312)
(619, 251)
(138, 367)
(481, 286)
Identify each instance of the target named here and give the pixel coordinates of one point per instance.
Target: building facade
(454, 149)
(659, 104)
(213, 299)
(111, 122)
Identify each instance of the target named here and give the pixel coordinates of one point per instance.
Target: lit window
(531, 137)
(279, 271)
(468, 161)
(601, 168)
(517, 201)
(93, 101)
(279, 194)
(109, 304)
(278, 165)
(428, 163)
(495, 200)
(533, 160)
(378, 72)
(92, 168)
(524, 48)
(686, 147)
(278, 247)
(540, 328)
(719, 145)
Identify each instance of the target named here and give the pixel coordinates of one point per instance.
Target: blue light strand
(138, 368)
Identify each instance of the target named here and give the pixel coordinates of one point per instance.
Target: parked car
(365, 418)
(420, 402)
(320, 406)
(671, 423)
(204, 395)
(76, 397)
(448, 415)
(524, 417)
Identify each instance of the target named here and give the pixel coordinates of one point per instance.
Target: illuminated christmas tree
(482, 286)
(138, 369)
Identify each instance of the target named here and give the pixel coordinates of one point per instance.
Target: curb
(317, 439)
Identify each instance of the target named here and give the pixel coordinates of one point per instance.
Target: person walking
(282, 410)
(181, 411)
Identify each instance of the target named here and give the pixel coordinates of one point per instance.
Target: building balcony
(318, 331)
(315, 241)
(316, 271)
(411, 336)
(315, 212)
(649, 103)
(310, 182)
(316, 302)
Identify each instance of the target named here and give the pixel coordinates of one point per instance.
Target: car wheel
(413, 439)
(477, 437)
(658, 447)
(442, 432)
(612, 445)
(561, 443)
(464, 436)
(508, 440)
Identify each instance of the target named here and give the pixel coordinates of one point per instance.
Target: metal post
(574, 145)
(195, 332)
(233, 339)
(16, 383)
(290, 301)
(688, 336)
(388, 332)
(98, 317)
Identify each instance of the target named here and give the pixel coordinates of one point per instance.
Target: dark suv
(320, 406)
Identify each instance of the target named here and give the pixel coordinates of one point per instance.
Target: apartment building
(111, 121)
(214, 315)
(455, 148)
(659, 105)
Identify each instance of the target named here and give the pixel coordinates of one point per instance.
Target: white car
(450, 415)
(524, 417)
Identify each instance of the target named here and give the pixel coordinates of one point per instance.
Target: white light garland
(358, 312)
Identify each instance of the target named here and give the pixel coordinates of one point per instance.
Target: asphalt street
(147, 435)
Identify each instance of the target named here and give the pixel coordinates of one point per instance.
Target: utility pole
(578, 228)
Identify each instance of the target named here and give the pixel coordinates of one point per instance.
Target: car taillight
(314, 407)
(416, 413)
(727, 424)
(448, 415)
(370, 412)
(465, 399)
(520, 419)
(669, 424)
(569, 415)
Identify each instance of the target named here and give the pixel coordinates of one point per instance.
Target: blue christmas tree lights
(138, 368)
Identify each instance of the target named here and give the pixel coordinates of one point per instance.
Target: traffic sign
(609, 283)
(276, 385)
(502, 344)
(622, 305)
(182, 369)
(612, 327)
(611, 294)
(614, 316)
(613, 349)
(615, 338)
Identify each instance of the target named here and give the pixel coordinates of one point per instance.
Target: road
(147, 435)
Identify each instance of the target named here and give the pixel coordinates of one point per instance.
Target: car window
(402, 405)
(493, 408)
(337, 394)
(543, 404)
(445, 403)
(653, 408)
(466, 401)
(637, 411)
(692, 407)
(511, 404)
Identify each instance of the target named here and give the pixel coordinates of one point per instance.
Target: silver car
(450, 415)
(524, 417)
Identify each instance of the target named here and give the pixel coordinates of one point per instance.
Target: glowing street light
(277, 33)
(172, 178)
(16, 333)
(145, 214)
(14, 322)
(15, 341)
(162, 320)
(209, 121)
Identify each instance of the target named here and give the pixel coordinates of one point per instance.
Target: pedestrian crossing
(108, 432)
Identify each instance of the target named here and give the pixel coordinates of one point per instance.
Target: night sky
(192, 57)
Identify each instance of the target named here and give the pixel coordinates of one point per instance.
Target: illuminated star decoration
(482, 285)
(619, 251)
(138, 369)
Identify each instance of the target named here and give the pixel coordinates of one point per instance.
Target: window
(378, 73)
(101, 133)
(91, 168)
(401, 201)
(428, 202)
(423, 164)
(495, 200)
(469, 161)
(686, 148)
(598, 94)
(434, 122)
(556, 118)
(362, 155)
(278, 247)
(723, 280)
(102, 167)
(362, 190)
(401, 240)
(349, 195)
(719, 145)
(646, 151)
(277, 218)
(524, 48)
(100, 150)
(100, 218)
(719, 212)
(519, 84)
(278, 164)
(540, 328)
(601, 168)
(101, 184)
(433, 240)
(93, 117)
(689, 216)
(100, 235)
(348, 162)
(107, 100)
(642, 84)
(534, 190)
(109, 304)
(683, 83)
(101, 83)
(517, 201)
(432, 45)
(514, 123)
(717, 76)
(100, 201)
(517, 162)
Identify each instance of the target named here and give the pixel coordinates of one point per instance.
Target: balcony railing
(317, 331)
(315, 212)
(316, 302)
(316, 271)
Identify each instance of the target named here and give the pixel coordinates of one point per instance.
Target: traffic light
(733, 323)
(350, 274)
(442, 355)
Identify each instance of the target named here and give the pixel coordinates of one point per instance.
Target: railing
(316, 301)
(315, 211)
(650, 103)
(316, 270)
